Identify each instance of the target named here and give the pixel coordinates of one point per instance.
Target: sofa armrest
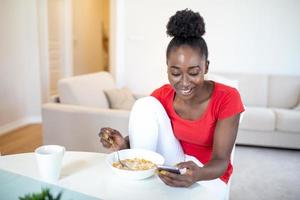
(77, 127)
(137, 96)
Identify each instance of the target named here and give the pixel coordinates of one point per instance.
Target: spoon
(124, 165)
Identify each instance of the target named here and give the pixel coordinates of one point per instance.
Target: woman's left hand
(182, 180)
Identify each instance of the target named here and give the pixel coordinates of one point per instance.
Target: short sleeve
(157, 94)
(231, 104)
(163, 93)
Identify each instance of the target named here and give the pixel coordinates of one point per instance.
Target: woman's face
(186, 69)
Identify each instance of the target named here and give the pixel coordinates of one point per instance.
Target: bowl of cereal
(135, 164)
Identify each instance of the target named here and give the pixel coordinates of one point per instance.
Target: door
(77, 38)
(88, 37)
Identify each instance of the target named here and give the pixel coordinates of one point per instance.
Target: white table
(88, 173)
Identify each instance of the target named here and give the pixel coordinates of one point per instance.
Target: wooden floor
(22, 140)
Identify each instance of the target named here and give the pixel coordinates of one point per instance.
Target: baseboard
(19, 123)
(35, 119)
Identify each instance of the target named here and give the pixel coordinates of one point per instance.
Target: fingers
(181, 180)
(172, 175)
(105, 143)
(111, 139)
(105, 132)
(115, 132)
(188, 165)
(106, 137)
(174, 180)
(190, 168)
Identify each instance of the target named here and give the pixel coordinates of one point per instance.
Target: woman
(191, 116)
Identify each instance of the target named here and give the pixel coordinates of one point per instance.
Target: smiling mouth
(186, 92)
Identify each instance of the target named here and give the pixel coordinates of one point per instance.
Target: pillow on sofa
(120, 98)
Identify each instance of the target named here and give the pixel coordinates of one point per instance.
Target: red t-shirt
(196, 137)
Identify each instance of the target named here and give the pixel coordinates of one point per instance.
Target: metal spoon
(124, 165)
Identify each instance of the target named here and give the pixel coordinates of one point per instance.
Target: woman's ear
(206, 67)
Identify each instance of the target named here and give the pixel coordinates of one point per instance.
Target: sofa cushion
(86, 90)
(120, 98)
(258, 119)
(252, 87)
(284, 91)
(287, 120)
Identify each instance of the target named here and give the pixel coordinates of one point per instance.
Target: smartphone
(171, 169)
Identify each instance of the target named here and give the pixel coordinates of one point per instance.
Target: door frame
(67, 70)
(42, 21)
(116, 43)
(67, 45)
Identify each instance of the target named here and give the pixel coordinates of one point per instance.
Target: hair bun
(185, 24)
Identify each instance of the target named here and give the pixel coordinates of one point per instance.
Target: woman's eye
(175, 73)
(194, 73)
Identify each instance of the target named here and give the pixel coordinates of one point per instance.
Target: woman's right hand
(112, 139)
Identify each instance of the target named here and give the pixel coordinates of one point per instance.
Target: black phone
(171, 169)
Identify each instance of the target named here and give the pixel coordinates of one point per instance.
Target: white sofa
(270, 119)
(272, 116)
(75, 117)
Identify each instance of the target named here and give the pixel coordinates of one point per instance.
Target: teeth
(186, 92)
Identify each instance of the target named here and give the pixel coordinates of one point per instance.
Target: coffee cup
(49, 160)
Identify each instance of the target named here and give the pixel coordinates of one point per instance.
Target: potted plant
(45, 194)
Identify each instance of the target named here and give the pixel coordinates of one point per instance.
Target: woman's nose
(185, 80)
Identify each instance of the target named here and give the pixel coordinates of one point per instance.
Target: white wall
(242, 36)
(19, 64)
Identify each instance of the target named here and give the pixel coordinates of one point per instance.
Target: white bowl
(130, 154)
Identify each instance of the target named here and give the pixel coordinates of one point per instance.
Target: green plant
(44, 195)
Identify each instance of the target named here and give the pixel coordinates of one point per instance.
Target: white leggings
(150, 128)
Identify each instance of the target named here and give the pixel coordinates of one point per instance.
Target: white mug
(49, 161)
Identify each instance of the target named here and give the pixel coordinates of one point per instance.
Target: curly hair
(187, 28)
